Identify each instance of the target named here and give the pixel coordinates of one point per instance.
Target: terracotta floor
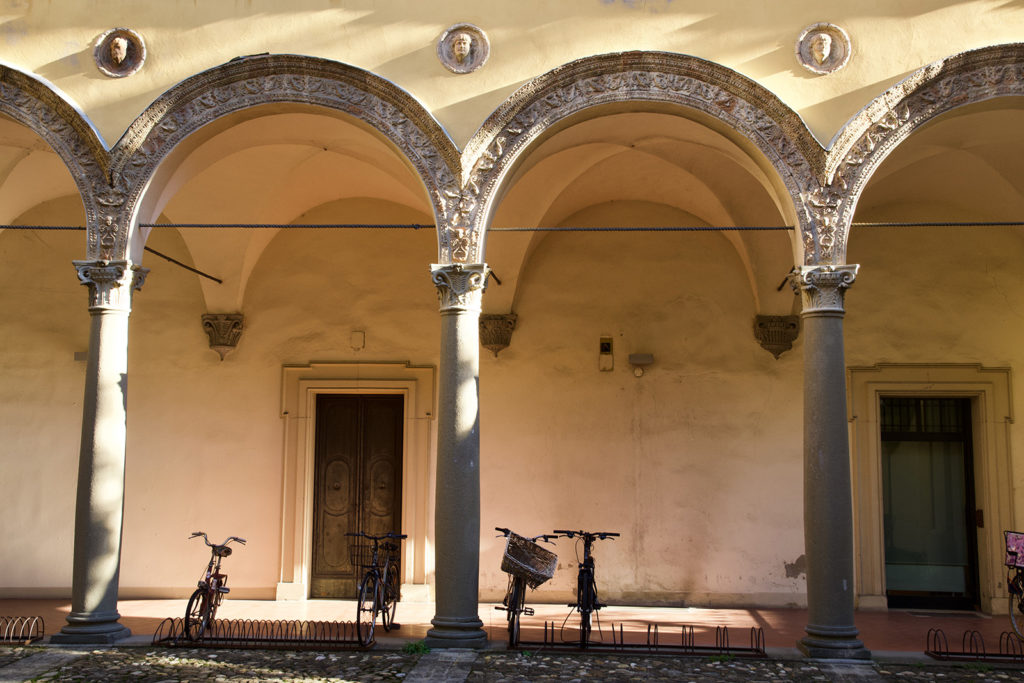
(903, 631)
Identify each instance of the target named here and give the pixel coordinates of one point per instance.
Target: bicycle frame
(201, 609)
(379, 588)
(587, 602)
(514, 602)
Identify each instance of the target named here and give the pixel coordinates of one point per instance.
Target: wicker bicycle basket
(527, 560)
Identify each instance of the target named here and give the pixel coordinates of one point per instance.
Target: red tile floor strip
(894, 630)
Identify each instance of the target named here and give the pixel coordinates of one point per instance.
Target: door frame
(989, 390)
(300, 386)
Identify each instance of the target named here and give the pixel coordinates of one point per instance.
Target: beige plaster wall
(205, 436)
(679, 460)
(54, 39)
(41, 388)
(697, 463)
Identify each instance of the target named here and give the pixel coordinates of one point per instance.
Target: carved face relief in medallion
(463, 48)
(823, 48)
(119, 52)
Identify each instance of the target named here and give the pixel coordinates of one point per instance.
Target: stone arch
(40, 107)
(656, 78)
(272, 79)
(868, 139)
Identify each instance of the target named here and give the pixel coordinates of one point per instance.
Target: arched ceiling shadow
(673, 171)
(250, 82)
(746, 113)
(270, 166)
(41, 108)
(857, 152)
(31, 174)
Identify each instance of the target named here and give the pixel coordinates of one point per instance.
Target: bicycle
(202, 605)
(379, 589)
(526, 563)
(1015, 579)
(586, 585)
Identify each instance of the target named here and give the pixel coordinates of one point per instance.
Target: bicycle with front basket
(526, 563)
(202, 605)
(587, 602)
(1015, 579)
(379, 588)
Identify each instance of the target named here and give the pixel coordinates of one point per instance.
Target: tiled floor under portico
(892, 631)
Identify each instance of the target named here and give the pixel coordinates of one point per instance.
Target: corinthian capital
(823, 287)
(110, 283)
(459, 286)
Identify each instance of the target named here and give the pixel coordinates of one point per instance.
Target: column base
(79, 635)
(91, 628)
(456, 632)
(832, 642)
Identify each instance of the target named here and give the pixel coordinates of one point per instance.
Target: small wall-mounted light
(639, 361)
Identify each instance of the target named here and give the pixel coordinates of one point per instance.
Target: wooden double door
(357, 483)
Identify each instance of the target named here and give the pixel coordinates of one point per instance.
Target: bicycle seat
(221, 551)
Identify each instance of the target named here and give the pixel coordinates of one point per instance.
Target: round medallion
(119, 52)
(463, 48)
(823, 48)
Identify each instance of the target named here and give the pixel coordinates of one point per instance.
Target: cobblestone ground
(164, 666)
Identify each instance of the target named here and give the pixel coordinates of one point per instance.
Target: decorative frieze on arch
(654, 77)
(269, 79)
(38, 107)
(869, 138)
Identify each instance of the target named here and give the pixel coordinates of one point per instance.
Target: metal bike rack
(659, 640)
(972, 648)
(265, 634)
(24, 630)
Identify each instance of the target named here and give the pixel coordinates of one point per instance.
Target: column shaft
(456, 622)
(828, 512)
(100, 499)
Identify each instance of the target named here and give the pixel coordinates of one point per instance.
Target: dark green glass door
(928, 498)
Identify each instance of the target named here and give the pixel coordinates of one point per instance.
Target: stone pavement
(153, 664)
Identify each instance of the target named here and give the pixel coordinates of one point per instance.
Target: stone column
(100, 503)
(828, 502)
(456, 622)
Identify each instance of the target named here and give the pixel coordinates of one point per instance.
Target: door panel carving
(357, 483)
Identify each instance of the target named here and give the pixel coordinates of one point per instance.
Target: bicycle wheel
(1015, 585)
(196, 614)
(390, 591)
(585, 600)
(516, 600)
(366, 609)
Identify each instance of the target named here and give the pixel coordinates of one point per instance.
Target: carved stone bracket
(460, 287)
(224, 330)
(823, 287)
(110, 283)
(776, 333)
(496, 331)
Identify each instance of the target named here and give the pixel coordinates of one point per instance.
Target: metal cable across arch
(568, 228)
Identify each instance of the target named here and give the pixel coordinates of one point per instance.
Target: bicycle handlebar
(600, 535)
(215, 545)
(544, 537)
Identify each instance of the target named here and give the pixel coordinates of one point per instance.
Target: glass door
(928, 500)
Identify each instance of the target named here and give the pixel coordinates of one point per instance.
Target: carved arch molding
(825, 185)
